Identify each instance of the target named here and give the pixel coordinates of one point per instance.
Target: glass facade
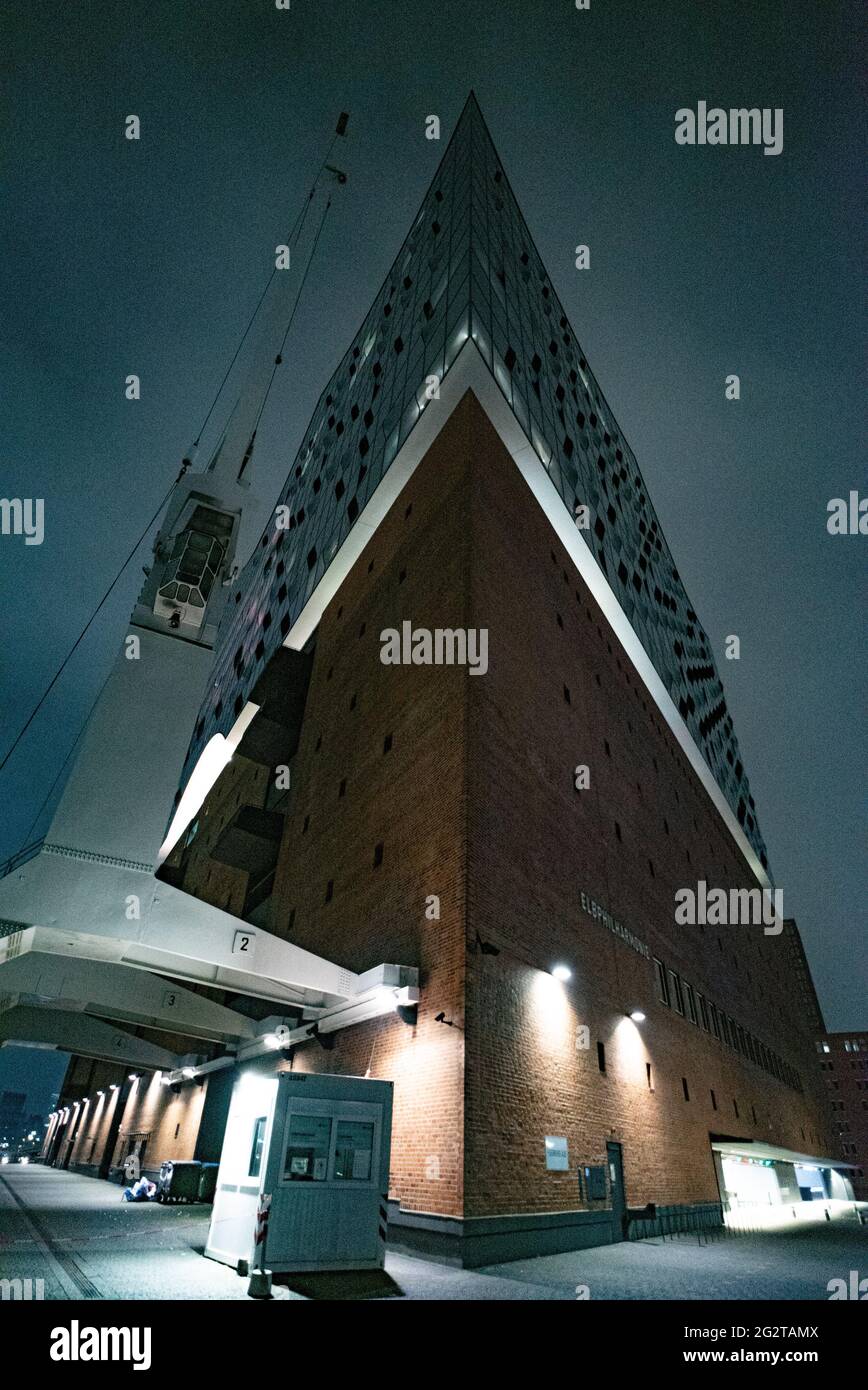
(469, 268)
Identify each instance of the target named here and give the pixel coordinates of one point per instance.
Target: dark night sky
(148, 257)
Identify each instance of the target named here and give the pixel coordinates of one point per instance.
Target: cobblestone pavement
(77, 1235)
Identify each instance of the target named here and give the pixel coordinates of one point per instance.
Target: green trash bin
(179, 1181)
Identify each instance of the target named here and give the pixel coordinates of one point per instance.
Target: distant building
(843, 1059)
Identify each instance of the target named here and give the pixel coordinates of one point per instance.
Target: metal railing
(703, 1222)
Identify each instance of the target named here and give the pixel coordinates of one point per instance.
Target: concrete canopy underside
(109, 972)
(750, 1148)
(112, 991)
(113, 967)
(69, 1031)
(87, 898)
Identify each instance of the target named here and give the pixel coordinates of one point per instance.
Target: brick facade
(420, 783)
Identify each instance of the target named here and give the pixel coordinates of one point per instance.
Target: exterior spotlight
(175, 1087)
(325, 1040)
(133, 1076)
(101, 1093)
(271, 1041)
(636, 1015)
(113, 1087)
(562, 972)
(189, 1073)
(408, 1013)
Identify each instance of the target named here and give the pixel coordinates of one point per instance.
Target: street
(78, 1236)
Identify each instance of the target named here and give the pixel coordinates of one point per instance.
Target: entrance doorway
(135, 1146)
(614, 1159)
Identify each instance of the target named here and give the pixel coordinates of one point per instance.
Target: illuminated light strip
(215, 756)
(470, 372)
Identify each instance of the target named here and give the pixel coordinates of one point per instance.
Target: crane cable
(294, 235)
(296, 232)
(41, 701)
(279, 358)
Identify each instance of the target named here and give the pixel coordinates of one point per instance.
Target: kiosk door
(242, 1169)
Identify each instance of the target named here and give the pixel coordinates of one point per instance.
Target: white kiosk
(318, 1147)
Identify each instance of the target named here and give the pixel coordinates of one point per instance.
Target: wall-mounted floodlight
(325, 1040)
(389, 995)
(189, 1073)
(636, 1015)
(562, 972)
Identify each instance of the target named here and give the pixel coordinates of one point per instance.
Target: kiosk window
(353, 1150)
(307, 1149)
(256, 1147)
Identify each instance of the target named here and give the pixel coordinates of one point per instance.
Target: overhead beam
(114, 991)
(82, 1034)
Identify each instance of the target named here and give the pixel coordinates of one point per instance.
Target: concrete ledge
(87, 1170)
(470, 1242)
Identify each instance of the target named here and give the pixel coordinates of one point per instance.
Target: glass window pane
(662, 983)
(307, 1148)
(256, 1147)
(353, 1150)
